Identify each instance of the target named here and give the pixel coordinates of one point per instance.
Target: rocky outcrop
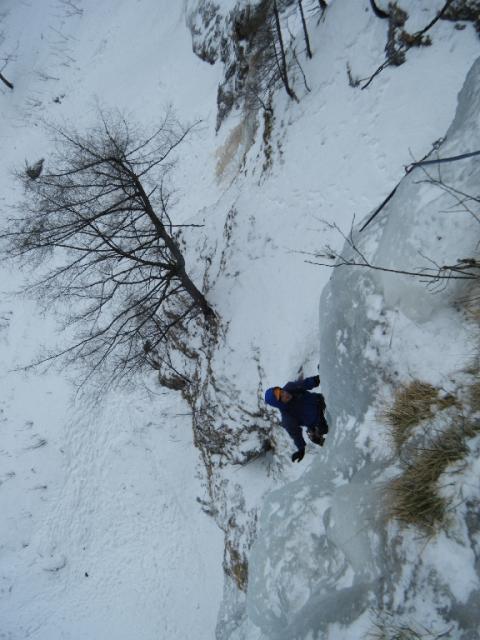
(239, 39)
(464, 11)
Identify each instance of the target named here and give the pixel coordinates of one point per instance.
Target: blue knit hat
(271, 399)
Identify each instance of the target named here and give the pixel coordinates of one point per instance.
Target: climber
(300, 408)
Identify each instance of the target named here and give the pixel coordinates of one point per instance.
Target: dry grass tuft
(413, 496)
(414, 402)
(474, 393)
(386, 629)
(475, 312)
(472, 304)
(413, 502)
(235, 565)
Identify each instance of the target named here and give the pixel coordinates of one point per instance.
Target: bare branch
(5, 81)
(434, 276)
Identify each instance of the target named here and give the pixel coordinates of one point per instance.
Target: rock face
(325, 553)
(206, 25)
(460, 10)
(239, 39)
(238, 35)
(229, 38)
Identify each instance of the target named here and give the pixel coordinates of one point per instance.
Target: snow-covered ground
(101, 532)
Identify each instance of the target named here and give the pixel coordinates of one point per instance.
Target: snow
(114, 547)
(102, 532)
(455, 565)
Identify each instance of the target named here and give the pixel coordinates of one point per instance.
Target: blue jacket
(304, 409)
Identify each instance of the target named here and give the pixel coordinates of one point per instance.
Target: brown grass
(386, 629)
(472, 305)
(414, 402)
(236, 566)
(413, 496)
(474, 396)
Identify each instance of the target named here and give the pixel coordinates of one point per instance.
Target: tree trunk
(283, 69)
(196, 295)
(305, 30)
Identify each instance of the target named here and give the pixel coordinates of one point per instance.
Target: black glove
(316, 380)
(298, 455)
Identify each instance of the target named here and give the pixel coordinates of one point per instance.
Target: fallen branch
(463, 269)
(423, 163)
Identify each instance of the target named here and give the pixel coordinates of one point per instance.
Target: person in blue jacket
(299, 407)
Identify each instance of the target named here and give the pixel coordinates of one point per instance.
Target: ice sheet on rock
(416, 222)
(315, 561)
(344, 311)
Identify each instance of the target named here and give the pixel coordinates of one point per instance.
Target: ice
(421, 215)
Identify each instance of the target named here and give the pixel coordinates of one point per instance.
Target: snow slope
(109, 488)
(101, 534)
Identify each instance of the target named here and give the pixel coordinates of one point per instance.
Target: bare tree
(102, 209)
